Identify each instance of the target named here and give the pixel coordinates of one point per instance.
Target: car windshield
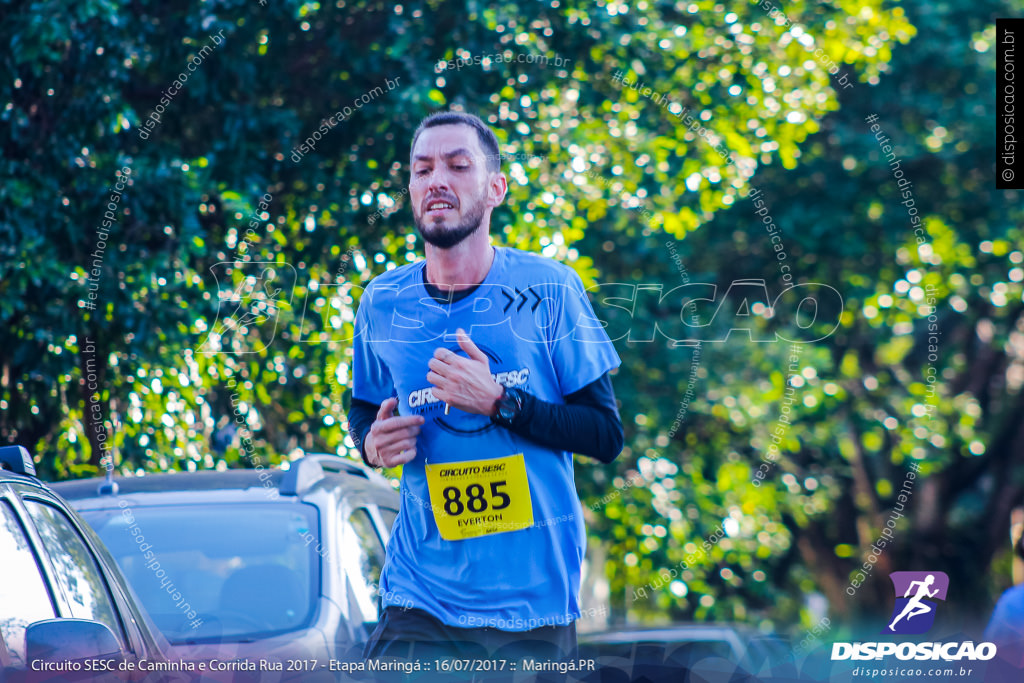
(211, 572)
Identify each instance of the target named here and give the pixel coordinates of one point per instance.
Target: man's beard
(445, 237)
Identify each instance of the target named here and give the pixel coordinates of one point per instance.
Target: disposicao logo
(916, 595)
(917, 598)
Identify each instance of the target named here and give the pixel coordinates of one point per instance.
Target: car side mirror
(69, 639)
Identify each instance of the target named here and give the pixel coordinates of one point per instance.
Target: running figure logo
(916, 593)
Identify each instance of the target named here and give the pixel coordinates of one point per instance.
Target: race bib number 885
(480, 497)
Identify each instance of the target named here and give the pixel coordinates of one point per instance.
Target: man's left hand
(464, 383)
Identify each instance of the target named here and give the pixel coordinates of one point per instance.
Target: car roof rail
(18, 460)
(337, 464)
(305, 472)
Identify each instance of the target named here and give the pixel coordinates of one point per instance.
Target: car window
(5, 658)
(77, 571)
(681, 654)
(23, 594)
(363, 554)
(770, 649)
(370, 548)
(207, 572)
(388, 516)
(687, 653)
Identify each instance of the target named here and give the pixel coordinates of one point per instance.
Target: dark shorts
(415, 634)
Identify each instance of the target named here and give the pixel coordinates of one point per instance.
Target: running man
(914, 606)
(499, 372)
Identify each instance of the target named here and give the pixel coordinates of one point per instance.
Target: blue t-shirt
(532, 319)
(1006, 627)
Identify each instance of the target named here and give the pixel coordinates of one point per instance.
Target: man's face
(449, 186)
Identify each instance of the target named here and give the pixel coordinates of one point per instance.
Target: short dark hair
(488, 140)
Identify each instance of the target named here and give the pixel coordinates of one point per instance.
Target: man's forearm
(587, 423)
(584, 429)
(361, 416)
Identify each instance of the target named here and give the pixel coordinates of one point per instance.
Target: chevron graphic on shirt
(521, 296)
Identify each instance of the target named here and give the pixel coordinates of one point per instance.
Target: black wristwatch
(509, 406)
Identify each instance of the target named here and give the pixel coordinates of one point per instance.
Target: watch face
(508, 407)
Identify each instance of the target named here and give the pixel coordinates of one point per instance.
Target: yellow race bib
(480, 497)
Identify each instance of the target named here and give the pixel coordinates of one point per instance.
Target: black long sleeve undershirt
(588, 423)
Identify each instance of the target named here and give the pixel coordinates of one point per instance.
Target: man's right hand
(391, 440)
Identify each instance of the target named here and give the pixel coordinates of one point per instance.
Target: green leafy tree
(865, 406)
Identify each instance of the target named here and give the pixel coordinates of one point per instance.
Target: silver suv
(272, 566)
